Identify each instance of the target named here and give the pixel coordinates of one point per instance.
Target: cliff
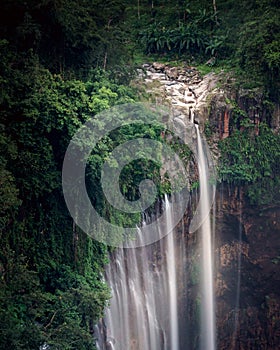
(247, 272)
(247, 236)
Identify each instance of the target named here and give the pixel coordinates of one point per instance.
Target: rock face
(181, 88)
(247, 239)
(248, 279)
(209, 99)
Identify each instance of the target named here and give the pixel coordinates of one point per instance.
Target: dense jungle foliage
(62, 62)
(252, 161)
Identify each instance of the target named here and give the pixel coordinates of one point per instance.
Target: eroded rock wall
(247, 273)
(247, 238)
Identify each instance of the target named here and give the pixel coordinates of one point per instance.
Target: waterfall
(142, 314)
(148, 283)
(172, 282)
(208, 330)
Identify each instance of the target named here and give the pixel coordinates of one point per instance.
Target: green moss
(247, 159)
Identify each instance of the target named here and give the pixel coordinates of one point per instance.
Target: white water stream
(144, 313)
(143, 309)
(207, 300)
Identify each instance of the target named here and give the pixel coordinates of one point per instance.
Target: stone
(159, 66)
(181, 90)
(157, 76)
(170, 83)
(182, 78)
(172, 73)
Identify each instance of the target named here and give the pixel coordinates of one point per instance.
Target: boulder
(172, 73)
(159, 67)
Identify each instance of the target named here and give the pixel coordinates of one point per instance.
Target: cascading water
(171, 274)
(208, 329)
(143, 309)
(154, 292)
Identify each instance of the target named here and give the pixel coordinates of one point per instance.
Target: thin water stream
(207, 300)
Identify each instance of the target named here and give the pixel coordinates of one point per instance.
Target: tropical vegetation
(61, 63)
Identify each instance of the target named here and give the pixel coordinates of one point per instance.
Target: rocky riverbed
(181, 88)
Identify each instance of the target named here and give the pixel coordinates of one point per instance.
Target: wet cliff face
(247, 273)
(247, 238)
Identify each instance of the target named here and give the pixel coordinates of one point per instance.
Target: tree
(215, 11)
